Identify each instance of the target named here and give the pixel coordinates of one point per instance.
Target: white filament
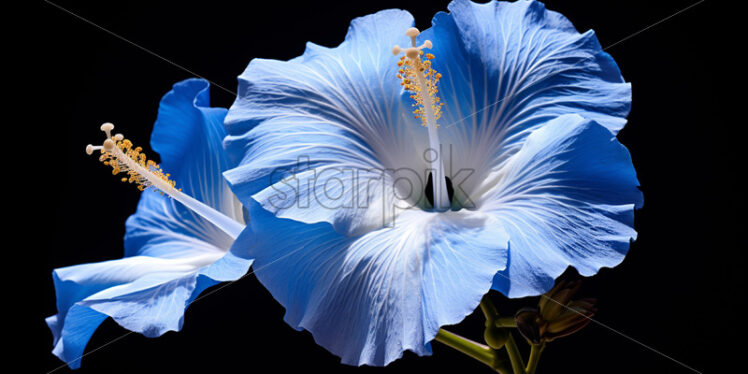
(228, 225)
(439, 183)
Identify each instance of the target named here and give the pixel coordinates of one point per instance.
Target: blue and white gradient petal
(508, 69)
(324, 115)
(171, 254)
(567, 198)
(370, 297)
(531, 111)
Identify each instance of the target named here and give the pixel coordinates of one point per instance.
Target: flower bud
(557, 315)
(495, 337)
(528, 324)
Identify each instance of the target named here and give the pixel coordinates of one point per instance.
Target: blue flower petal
(143, 294)
(188, 135)
(369, 298)
(171, 254)
(508, 68)
(73, 322)
(567, 198)
(330, 114)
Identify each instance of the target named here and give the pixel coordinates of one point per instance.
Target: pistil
(117, 152)
(419, 78)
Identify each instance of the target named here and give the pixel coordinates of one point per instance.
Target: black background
(677, 290)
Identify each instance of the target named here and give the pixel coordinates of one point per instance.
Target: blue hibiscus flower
(171, 253)
(374, 229)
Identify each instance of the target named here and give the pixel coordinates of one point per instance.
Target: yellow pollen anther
(119, 153)
(418, 77)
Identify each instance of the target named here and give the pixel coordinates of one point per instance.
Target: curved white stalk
(223, 222)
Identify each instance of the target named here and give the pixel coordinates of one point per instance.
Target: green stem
(475, 350)
(489, 310)
(518, 365)
(506, 322)
(532, 362)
